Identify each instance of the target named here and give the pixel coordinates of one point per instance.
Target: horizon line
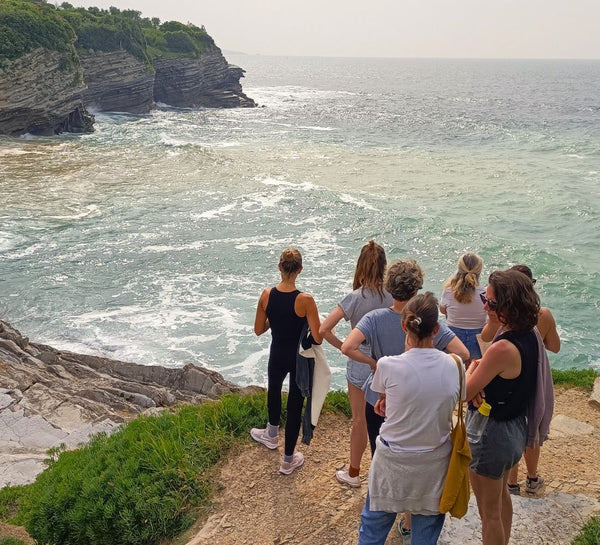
(231, 52)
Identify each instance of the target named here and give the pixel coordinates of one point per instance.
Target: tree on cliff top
(107, 30)
(174, 39)
(27, 25)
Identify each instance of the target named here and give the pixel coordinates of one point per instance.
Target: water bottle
(477, 422)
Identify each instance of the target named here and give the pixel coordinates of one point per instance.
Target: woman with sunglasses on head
(506, 376)
(461, 303)
(285, 311)
(534, 483)
(368, 294)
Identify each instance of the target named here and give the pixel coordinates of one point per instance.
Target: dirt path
(256, 505)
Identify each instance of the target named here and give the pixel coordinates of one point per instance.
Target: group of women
(403, 384)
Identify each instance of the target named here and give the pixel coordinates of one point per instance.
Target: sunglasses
(492, 305)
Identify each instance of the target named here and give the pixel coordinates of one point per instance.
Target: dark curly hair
(403, 279)
(517, 303)
(420, 315)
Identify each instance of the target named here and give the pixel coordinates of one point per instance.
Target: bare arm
(490, 328)
(261, 322)
(350, 348)
(306, 306)
(444, 310)
(547, 328)
(502, 358)
(329, 323)
(456, 346)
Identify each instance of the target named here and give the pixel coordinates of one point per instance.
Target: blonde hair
(290, 261)
(466, 278)
(370, 268)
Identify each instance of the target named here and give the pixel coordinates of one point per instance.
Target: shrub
(10, 541)
(108, 30)
(11, 498)
(180, 42)
(25, 26)
(338, 401)
(141, 484)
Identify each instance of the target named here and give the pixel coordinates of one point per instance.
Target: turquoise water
(151, 239)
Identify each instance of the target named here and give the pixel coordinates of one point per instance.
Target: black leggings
(374, 422)
(276, 375)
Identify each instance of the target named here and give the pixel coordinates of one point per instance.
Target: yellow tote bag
(456, 493)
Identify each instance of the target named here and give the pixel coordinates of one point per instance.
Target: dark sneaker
(534, 486)
(514, 489)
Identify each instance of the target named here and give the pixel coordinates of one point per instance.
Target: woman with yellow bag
(418, 392)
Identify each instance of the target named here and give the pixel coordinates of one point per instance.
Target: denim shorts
(469, 339)
(500, 448)
(357, 373)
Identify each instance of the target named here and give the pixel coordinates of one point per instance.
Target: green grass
(338, 402)
(10, 541)
(590, 533)
(575, 378)
(141, 485)
(10, 499)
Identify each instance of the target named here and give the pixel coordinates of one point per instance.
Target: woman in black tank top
(285, 310)
(508, 374)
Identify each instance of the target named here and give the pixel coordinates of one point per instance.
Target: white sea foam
(7, 152)
(91, 210)
(221, 211)
(345, 197)
(302, 186)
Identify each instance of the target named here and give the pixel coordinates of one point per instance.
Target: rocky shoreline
(50, 397)
(40, 97)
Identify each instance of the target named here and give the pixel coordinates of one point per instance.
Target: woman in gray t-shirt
(368, 294)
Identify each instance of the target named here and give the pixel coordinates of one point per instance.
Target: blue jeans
(376, 525)
(469, 339)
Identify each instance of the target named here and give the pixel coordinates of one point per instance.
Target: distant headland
(58, 64)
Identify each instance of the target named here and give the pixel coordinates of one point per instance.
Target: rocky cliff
(208, 81)
(49, 397)
(39, 95)
(117, 82)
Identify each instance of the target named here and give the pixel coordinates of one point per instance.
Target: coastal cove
(151, 239)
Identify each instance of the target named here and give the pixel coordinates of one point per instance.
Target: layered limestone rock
(38, 95)
(49, 397)
(117, 82)
(209, 81)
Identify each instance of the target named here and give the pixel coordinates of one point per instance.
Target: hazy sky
(388, 28)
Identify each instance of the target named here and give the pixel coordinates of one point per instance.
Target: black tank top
(509, 397)
(285, 324)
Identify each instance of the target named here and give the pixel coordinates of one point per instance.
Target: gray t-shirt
(360, 301)
(383, 333)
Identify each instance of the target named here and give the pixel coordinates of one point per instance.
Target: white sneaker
(263, 437)
(287, 467)
(344, 477)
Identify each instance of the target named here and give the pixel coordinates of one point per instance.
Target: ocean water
(151, 239)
